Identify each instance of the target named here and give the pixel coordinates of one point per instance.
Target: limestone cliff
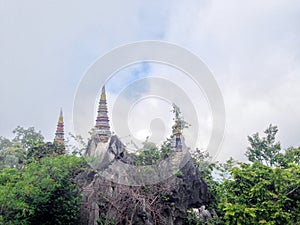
(114, 189)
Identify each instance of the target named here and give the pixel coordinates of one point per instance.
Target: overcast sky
(252, 48)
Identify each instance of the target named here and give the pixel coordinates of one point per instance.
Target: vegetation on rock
(37, 185)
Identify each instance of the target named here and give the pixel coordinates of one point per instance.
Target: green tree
(42, 193)
(27, 137)
(13, 156)
(39, 150)
(266, 191)
(264, 150)
(260, 194)
(13, 152)
(291, 155)
(148, 155)
(4, 143)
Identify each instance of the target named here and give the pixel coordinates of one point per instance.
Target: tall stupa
(102, 128)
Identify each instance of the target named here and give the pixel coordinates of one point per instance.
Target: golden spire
(103, 95)
(61, 119)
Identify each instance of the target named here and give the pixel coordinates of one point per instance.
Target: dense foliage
(36, 181)
(264, 191)
(260, 194)
(42, 193)
(13, 153)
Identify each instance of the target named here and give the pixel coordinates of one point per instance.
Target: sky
(251, 47)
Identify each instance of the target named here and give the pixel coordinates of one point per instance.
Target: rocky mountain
(116, 191)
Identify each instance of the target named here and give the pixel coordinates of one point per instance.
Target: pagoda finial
(102, 128)
(61, 118)
(59, 134)
(103, 95)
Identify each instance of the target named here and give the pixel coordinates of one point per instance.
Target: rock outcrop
(113, 189)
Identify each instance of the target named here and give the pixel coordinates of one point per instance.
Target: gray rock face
(165, 202)
(104, 154)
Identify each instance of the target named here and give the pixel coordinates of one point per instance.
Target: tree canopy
(42, 193)
(264, 191)
(36, 184)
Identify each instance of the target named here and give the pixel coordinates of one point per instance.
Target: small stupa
(59, 134)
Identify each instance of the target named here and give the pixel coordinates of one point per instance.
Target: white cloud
(251, 46)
